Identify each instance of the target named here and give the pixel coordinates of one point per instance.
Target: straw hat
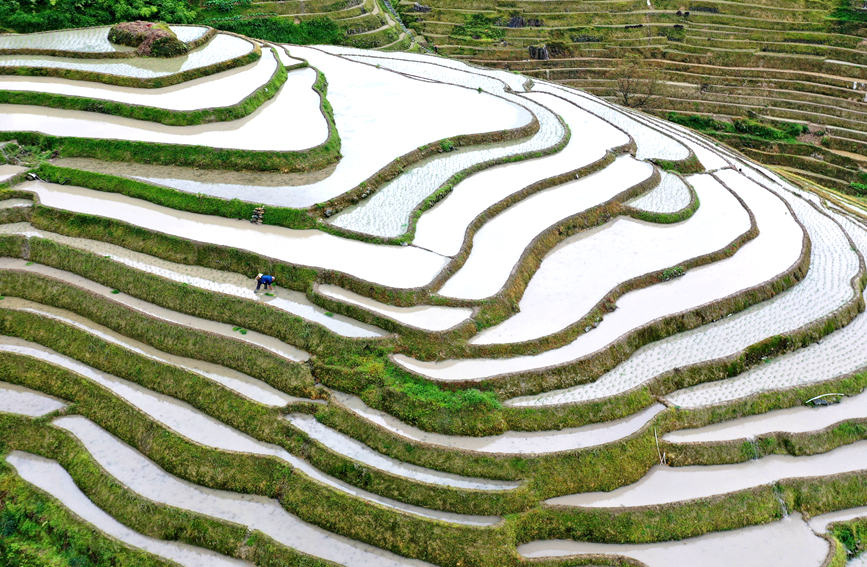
(259, 275)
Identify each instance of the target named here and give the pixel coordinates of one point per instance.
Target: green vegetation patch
(152, 114)
(37, 531)
(25, 16)
(318, 31)
(479, 27)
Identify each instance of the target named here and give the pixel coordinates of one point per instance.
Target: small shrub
(672, 273)
(226, 6)
(154, 39)
(447, 145)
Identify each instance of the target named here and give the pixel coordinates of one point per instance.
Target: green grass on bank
(36, 531)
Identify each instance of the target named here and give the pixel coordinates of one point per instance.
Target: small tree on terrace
(636, 85)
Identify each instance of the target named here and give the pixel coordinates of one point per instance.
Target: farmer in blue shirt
(264, 280)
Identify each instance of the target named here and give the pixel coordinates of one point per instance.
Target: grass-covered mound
(149, 38)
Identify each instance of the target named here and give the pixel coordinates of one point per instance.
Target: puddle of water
(24, 401)
(142, 476)
(675, 484)
(787, 542)
(247, 386)
(180, 175)
(820, 523)
(670, 196)
(221, 48)
(15, 203)
(428, 317)
(50, 477)
(7, 171)
(395, 266)
(792, 420)
(360, 452)
(512, 442)
(294, 111)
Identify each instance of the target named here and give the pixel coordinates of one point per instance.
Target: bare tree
(636, 84)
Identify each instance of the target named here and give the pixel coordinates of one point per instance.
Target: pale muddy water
(820, 523)
(238, 285)
(180, 175)
(396, 266)
(788, 542)
(288, 122)
(773, 251)
(360, 452)
(442, 228)
(221, 48)
(144, 477)
(511, 442)
(428, 317)
(7, 171)
(15, 203)
(670, 196)
(247, 386)
(223, 89)
(226, 330)
(793, 420)
(49, 476)
(24, 401)
(675, 484)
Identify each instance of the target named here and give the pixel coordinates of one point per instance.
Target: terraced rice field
(774, 62)
(512, 324)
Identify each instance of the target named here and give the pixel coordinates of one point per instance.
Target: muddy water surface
(24, 401)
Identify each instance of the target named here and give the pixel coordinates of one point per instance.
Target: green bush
(699, 122)
(226, 6)
(478, 26)
(860, 189)
(27, 16)
(281, 30)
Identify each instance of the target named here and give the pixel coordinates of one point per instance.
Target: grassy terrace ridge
(169, 117)
(138, 82)
(727, 61)
(315, 158)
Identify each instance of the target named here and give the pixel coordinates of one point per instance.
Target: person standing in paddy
(264, 280)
